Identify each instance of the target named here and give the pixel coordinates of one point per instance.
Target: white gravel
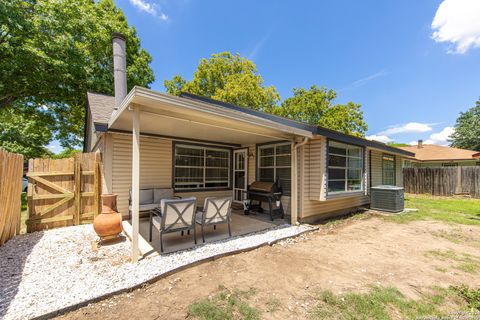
(43, 272)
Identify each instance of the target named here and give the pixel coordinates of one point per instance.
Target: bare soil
(349, 256)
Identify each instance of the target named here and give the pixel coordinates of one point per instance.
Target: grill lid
(261, 186)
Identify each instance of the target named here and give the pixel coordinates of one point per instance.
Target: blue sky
(413, 65)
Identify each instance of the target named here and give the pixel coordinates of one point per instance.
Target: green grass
(226, 304)
(464, 262)
(378, 303)
(471, 296)
(462, 211)
(23, 214)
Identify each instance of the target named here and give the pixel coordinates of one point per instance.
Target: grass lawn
(462, 211)
(24, 214)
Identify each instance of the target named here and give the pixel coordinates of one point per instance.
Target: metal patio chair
(175, 215)
(215, 211)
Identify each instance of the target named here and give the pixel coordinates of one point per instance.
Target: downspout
(294, 195)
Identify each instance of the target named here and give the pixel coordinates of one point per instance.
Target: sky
(412, 65)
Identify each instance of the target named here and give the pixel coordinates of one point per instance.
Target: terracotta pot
(108, 224)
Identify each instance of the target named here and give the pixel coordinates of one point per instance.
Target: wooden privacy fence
(63, 192)
(446, 181)
(11, 172)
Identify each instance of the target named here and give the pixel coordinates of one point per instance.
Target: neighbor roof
(101, 107)
(431, 152)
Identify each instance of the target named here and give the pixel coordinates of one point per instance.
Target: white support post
(135, 182)
(294, 197)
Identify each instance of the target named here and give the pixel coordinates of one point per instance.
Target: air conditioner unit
(387, 198)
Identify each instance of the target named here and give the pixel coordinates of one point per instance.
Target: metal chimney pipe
(119, 67)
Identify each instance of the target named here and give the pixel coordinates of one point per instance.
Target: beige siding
(376, 168)
(155, 168)
(315, 168)
(155, 165)
(315, 204)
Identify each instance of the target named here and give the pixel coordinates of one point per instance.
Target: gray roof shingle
(101, 107)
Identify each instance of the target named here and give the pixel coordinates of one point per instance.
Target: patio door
(240, 165)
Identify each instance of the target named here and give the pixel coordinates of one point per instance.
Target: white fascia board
(203, 107)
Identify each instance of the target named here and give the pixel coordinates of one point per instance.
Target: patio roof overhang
(144, 111)
(171, 116)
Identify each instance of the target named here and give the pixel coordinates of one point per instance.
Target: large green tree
(229, 78)
(316, 106)
(467, 129)
(234, 79)
(51, 53)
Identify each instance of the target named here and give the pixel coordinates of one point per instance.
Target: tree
(26, 132)
(229, 78)
(52, 52)
(316, 106)
(467, 129)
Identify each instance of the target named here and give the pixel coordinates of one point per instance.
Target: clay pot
(108, 224)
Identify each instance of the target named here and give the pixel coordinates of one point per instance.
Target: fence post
(97, 188)
(77, 176)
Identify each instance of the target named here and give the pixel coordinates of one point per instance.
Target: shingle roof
(101, 107)
(430, 152)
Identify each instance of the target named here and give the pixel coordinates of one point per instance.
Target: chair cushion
(146, 196)
(146, 207)
(162, 193)
(157, 223)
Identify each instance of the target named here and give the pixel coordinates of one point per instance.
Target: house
(430, 155)
(201, 147)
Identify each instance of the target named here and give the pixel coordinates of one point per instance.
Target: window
(197, 167)
(274, 162)
(388, 170)
(449, 164)
(345, 167)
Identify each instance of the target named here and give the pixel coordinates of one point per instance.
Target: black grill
(269, 192)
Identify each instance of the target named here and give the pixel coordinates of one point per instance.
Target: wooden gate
(63, 192)
(11, 172)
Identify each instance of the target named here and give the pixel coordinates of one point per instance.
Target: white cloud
(381, 138)
(440, 138)
(411, 127)
(458, 23)
(150, 8)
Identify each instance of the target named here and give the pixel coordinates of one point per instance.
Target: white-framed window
(388, 169)
(201, 167)
(345, 167)
(274, 163)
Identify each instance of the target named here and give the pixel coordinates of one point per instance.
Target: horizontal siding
(155, 165)
(323, 209)
(376, 169)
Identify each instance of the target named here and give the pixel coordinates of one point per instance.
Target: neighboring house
(430, 155)
(202, 147)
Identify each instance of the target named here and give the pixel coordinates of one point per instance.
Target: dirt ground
(350, 256)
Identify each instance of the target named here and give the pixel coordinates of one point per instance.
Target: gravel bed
(44, 272)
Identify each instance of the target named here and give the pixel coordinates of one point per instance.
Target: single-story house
(201, 147)
(431, 155)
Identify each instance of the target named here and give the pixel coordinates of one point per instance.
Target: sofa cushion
(146, 207)
(162, 193)
(146, 196)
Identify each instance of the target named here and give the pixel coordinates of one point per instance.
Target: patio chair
(215, 211)
(175, 215)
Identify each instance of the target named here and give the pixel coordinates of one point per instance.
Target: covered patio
(190, 120)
